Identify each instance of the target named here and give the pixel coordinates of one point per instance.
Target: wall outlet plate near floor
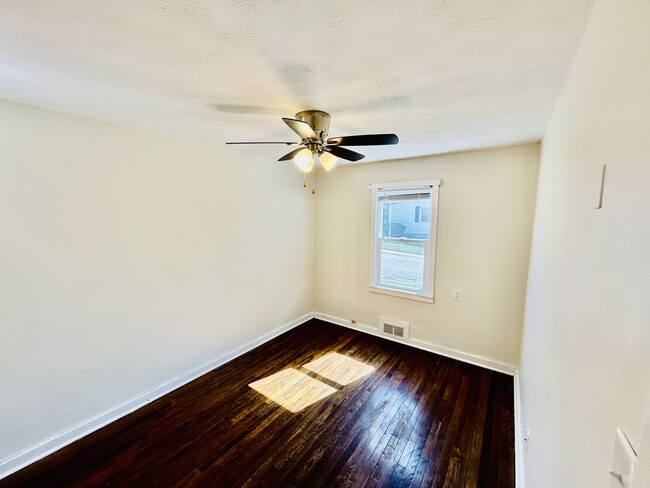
(623, 463)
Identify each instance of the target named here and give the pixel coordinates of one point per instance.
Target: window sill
(400, 294)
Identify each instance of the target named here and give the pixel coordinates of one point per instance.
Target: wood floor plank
(417, 420)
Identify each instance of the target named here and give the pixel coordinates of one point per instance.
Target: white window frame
(427, 295)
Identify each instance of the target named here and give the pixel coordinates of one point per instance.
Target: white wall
(584, 366)
(642, 472)
(484, 227)
(128, 258)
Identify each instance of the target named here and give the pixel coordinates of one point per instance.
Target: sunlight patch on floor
(339, 368)
(292, 389)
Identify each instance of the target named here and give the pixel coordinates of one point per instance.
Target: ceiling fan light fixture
(327, 160)
(313, 127)
(304, 160)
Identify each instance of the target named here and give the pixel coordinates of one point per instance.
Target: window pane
(405, 215)
(402, 265)
(425, 214)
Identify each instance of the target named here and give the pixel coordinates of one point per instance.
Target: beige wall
(642, 473)
(128, 258)
(484, 225)
(584, 366)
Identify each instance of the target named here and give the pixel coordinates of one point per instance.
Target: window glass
(402, 265)
(401, 214)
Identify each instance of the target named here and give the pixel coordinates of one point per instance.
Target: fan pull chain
(313, 179)
(304, 180)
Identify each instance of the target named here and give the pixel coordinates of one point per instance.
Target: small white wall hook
(616, 475)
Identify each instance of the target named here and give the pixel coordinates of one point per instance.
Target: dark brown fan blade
(291, 155)
(300, 127)
(341, 152)
(365, 140)
(267, 142)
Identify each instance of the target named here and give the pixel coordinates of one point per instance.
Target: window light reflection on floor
(295, 390)
(292, 389)
(339, 368)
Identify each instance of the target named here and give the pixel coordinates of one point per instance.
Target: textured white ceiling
(445, 75)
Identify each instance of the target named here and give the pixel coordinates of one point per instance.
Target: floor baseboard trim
(465, 357)
(39, 451)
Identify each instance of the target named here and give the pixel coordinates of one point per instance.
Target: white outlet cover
(624, 461)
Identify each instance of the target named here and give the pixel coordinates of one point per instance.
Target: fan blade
(365, 140)
(267, 142)
(341, 152)
(292, 154)
(303, 129)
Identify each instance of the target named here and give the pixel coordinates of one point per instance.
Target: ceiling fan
(312, 127)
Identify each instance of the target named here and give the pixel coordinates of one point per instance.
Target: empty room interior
(319, 244)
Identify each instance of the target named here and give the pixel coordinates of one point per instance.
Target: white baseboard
(39, 451)
(520, 480)
(488, 363)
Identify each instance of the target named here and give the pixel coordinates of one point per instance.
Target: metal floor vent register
(394, 328)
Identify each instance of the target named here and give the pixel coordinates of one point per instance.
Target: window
(403, 239)
(422, 214)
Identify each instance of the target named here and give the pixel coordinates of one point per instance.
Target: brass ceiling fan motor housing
(317, 120)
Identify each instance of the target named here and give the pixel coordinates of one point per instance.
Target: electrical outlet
(362, 280)
(458, 295)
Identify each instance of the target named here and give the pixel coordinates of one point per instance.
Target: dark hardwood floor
(418, 420)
